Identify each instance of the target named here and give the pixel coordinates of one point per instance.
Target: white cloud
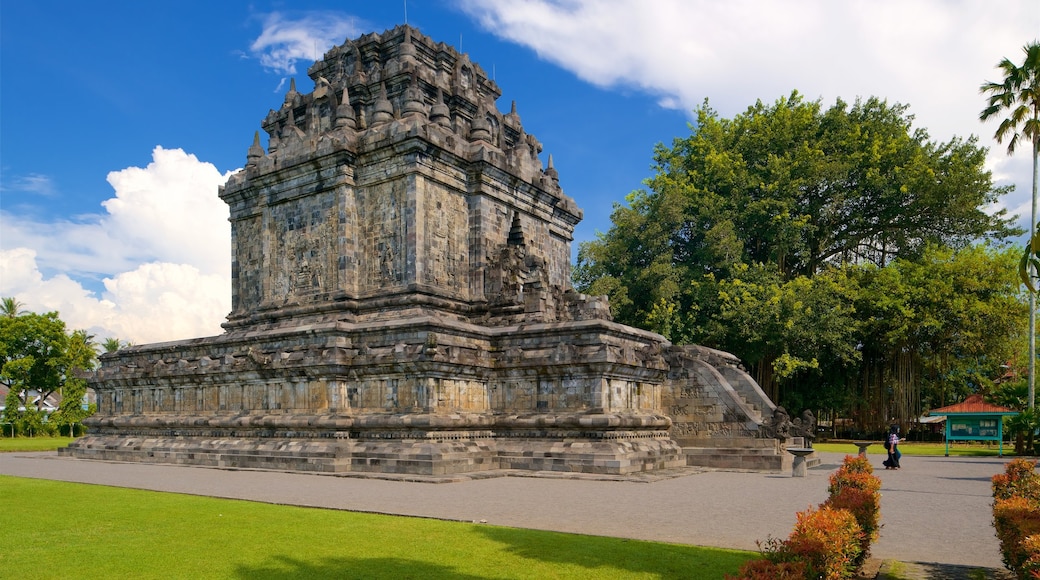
(35, 183)
(152, 303)
(163, 248)
(284, 40)
(930, 54)
(166, 212)
(169, 211)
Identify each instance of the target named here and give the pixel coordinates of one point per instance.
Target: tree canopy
(38, 358)
(817, 245)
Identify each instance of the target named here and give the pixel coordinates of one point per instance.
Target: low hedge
(1016, 517)
(855, 488)
(831, 542)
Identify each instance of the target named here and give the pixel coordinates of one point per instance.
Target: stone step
(729, 450)
(739, 461)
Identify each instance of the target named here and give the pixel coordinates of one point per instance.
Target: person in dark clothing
(892, 446)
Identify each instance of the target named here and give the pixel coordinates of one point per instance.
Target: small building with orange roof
(974, 420)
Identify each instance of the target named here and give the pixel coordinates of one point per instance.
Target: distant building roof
(973, 405)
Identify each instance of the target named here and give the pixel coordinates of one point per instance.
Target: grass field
(959, 449)
(65, 530)
(33, 443)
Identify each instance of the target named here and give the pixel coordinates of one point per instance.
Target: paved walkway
(934, 510)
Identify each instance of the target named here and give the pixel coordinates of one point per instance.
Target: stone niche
(401, 303)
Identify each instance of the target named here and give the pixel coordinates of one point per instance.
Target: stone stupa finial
(345, 112)
(255, 152)
(440, 114)
(382, 110)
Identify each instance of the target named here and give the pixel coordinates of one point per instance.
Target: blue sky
(118, 120)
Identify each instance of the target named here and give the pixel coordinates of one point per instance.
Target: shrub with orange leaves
(769, 570)
(865, 506)
(1031, 567)
(1017, 519)
(854, 487)
(1019, 479)
(831, 542)
(856, 464)
(1016, 516)
(824, 544)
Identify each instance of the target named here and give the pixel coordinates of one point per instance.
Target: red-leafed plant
(1016, 520)
(769, 570)
(1019, 479)
(825, 543)
(831, 542)
(1031, 567)
(1016, 517)
(865, 506)
(856, 464)
(854, 487)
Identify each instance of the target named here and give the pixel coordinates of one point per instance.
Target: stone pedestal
(800, 453)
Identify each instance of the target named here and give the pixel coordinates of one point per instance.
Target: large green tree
(935, 329)
(797, 335)
(790, 184)
(38, 358)
(766, 234)
(1018, 96)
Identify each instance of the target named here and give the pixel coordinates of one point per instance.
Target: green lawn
(960, 449)
(65, 530)
(33, 443)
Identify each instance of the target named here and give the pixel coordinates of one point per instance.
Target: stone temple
(402, 305)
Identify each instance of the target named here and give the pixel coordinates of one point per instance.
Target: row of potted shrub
(1016, 516)
(832, 541)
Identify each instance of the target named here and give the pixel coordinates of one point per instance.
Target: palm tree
(1019, 95)
(111, 344)
(11, 308)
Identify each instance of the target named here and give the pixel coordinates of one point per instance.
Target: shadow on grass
(286, 568)
(596, 555)
(934, 571)
(602, 553)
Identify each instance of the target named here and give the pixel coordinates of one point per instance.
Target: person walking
(892, 446)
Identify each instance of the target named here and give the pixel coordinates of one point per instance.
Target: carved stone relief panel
(381, 213)
(445, 242)
(304, 242)
(248, 244)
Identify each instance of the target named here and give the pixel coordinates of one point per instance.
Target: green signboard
(974, 428)
(974, 420)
